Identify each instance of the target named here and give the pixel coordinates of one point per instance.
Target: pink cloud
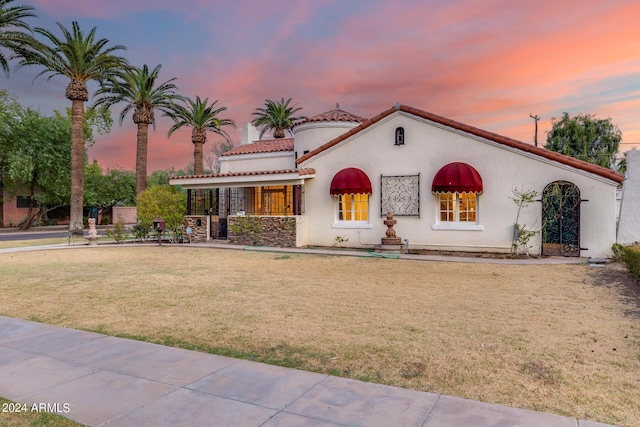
(486, 64)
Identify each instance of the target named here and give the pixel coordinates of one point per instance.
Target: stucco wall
(427, 149)
(629, 223)
(253, 162)
(311, 135)
(127, 214)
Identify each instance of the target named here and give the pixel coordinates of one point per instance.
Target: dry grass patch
(557, 338)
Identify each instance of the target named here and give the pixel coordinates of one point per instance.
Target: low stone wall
(199, 233)
(278, 231)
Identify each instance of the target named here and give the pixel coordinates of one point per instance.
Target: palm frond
(138, 90)
(11, 24)
(200, 115)
(277, 116)
(77, 56)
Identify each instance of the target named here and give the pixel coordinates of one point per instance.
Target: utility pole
(537, 119)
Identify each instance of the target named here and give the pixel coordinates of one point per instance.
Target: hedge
(631, 258)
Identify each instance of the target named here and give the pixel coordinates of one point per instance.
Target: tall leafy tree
(105, 189)
(40, 161)
(12, 27)
(9, 118)
(36, 156)
(201, 117)
(79, 57)
(138, 89)
(276, 116)
(586, 138)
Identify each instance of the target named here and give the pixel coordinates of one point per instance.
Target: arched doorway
(561, 219)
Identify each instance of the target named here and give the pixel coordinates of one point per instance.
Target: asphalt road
(32, 235)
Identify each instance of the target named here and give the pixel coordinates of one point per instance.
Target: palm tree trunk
(198, 164)
(76, 224)
(141, 158)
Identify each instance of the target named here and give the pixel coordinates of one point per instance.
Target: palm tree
(277, 116)
(138, 90)
(80, 58)
(201, 117)
(11, 19)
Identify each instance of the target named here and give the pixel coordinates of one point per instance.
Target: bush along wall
(631, 258)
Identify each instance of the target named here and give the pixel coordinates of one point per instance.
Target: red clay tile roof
(509, 142)
(263, 146)
(300, 172)
(336, 115)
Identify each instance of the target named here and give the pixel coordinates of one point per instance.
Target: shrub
(141, 231)
(521, 236)
(118, 232)
(616, 252)
(631, 258)
(162, 201)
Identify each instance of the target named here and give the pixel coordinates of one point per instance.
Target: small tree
(217, 150)
(163, 201)
(521, 235)
(105, 189)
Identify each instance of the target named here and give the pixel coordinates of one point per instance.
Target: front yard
(556, 338)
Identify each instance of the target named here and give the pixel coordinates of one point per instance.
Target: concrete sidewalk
(99, 380)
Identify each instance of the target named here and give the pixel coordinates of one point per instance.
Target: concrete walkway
(214, 244)
(99, 380)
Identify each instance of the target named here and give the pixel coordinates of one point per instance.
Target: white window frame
(350, 223)
(456, 224)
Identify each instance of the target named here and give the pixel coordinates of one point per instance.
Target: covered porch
(260, 207)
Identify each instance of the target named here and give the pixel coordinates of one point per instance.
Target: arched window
(457, 186)
(399, 140)
(351, 188)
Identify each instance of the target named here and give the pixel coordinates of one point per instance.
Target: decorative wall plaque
(400, 195)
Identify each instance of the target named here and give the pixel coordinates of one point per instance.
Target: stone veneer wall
(199, 232)
(278, 231)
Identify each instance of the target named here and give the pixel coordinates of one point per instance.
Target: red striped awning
(457, 177)
(350, 181)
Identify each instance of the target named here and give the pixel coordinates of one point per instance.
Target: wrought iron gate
(561, 219)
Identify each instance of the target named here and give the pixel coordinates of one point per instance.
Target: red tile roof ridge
(500, 139)
(335, 115)
(262, 146)
(301, 172)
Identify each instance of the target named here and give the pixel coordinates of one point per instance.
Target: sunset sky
(489, 63)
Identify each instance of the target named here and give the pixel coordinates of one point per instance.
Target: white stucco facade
(629, 223)
(249, 162)
(328, 143)
(430, 146)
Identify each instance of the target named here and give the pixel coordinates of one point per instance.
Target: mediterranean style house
(448, 185)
